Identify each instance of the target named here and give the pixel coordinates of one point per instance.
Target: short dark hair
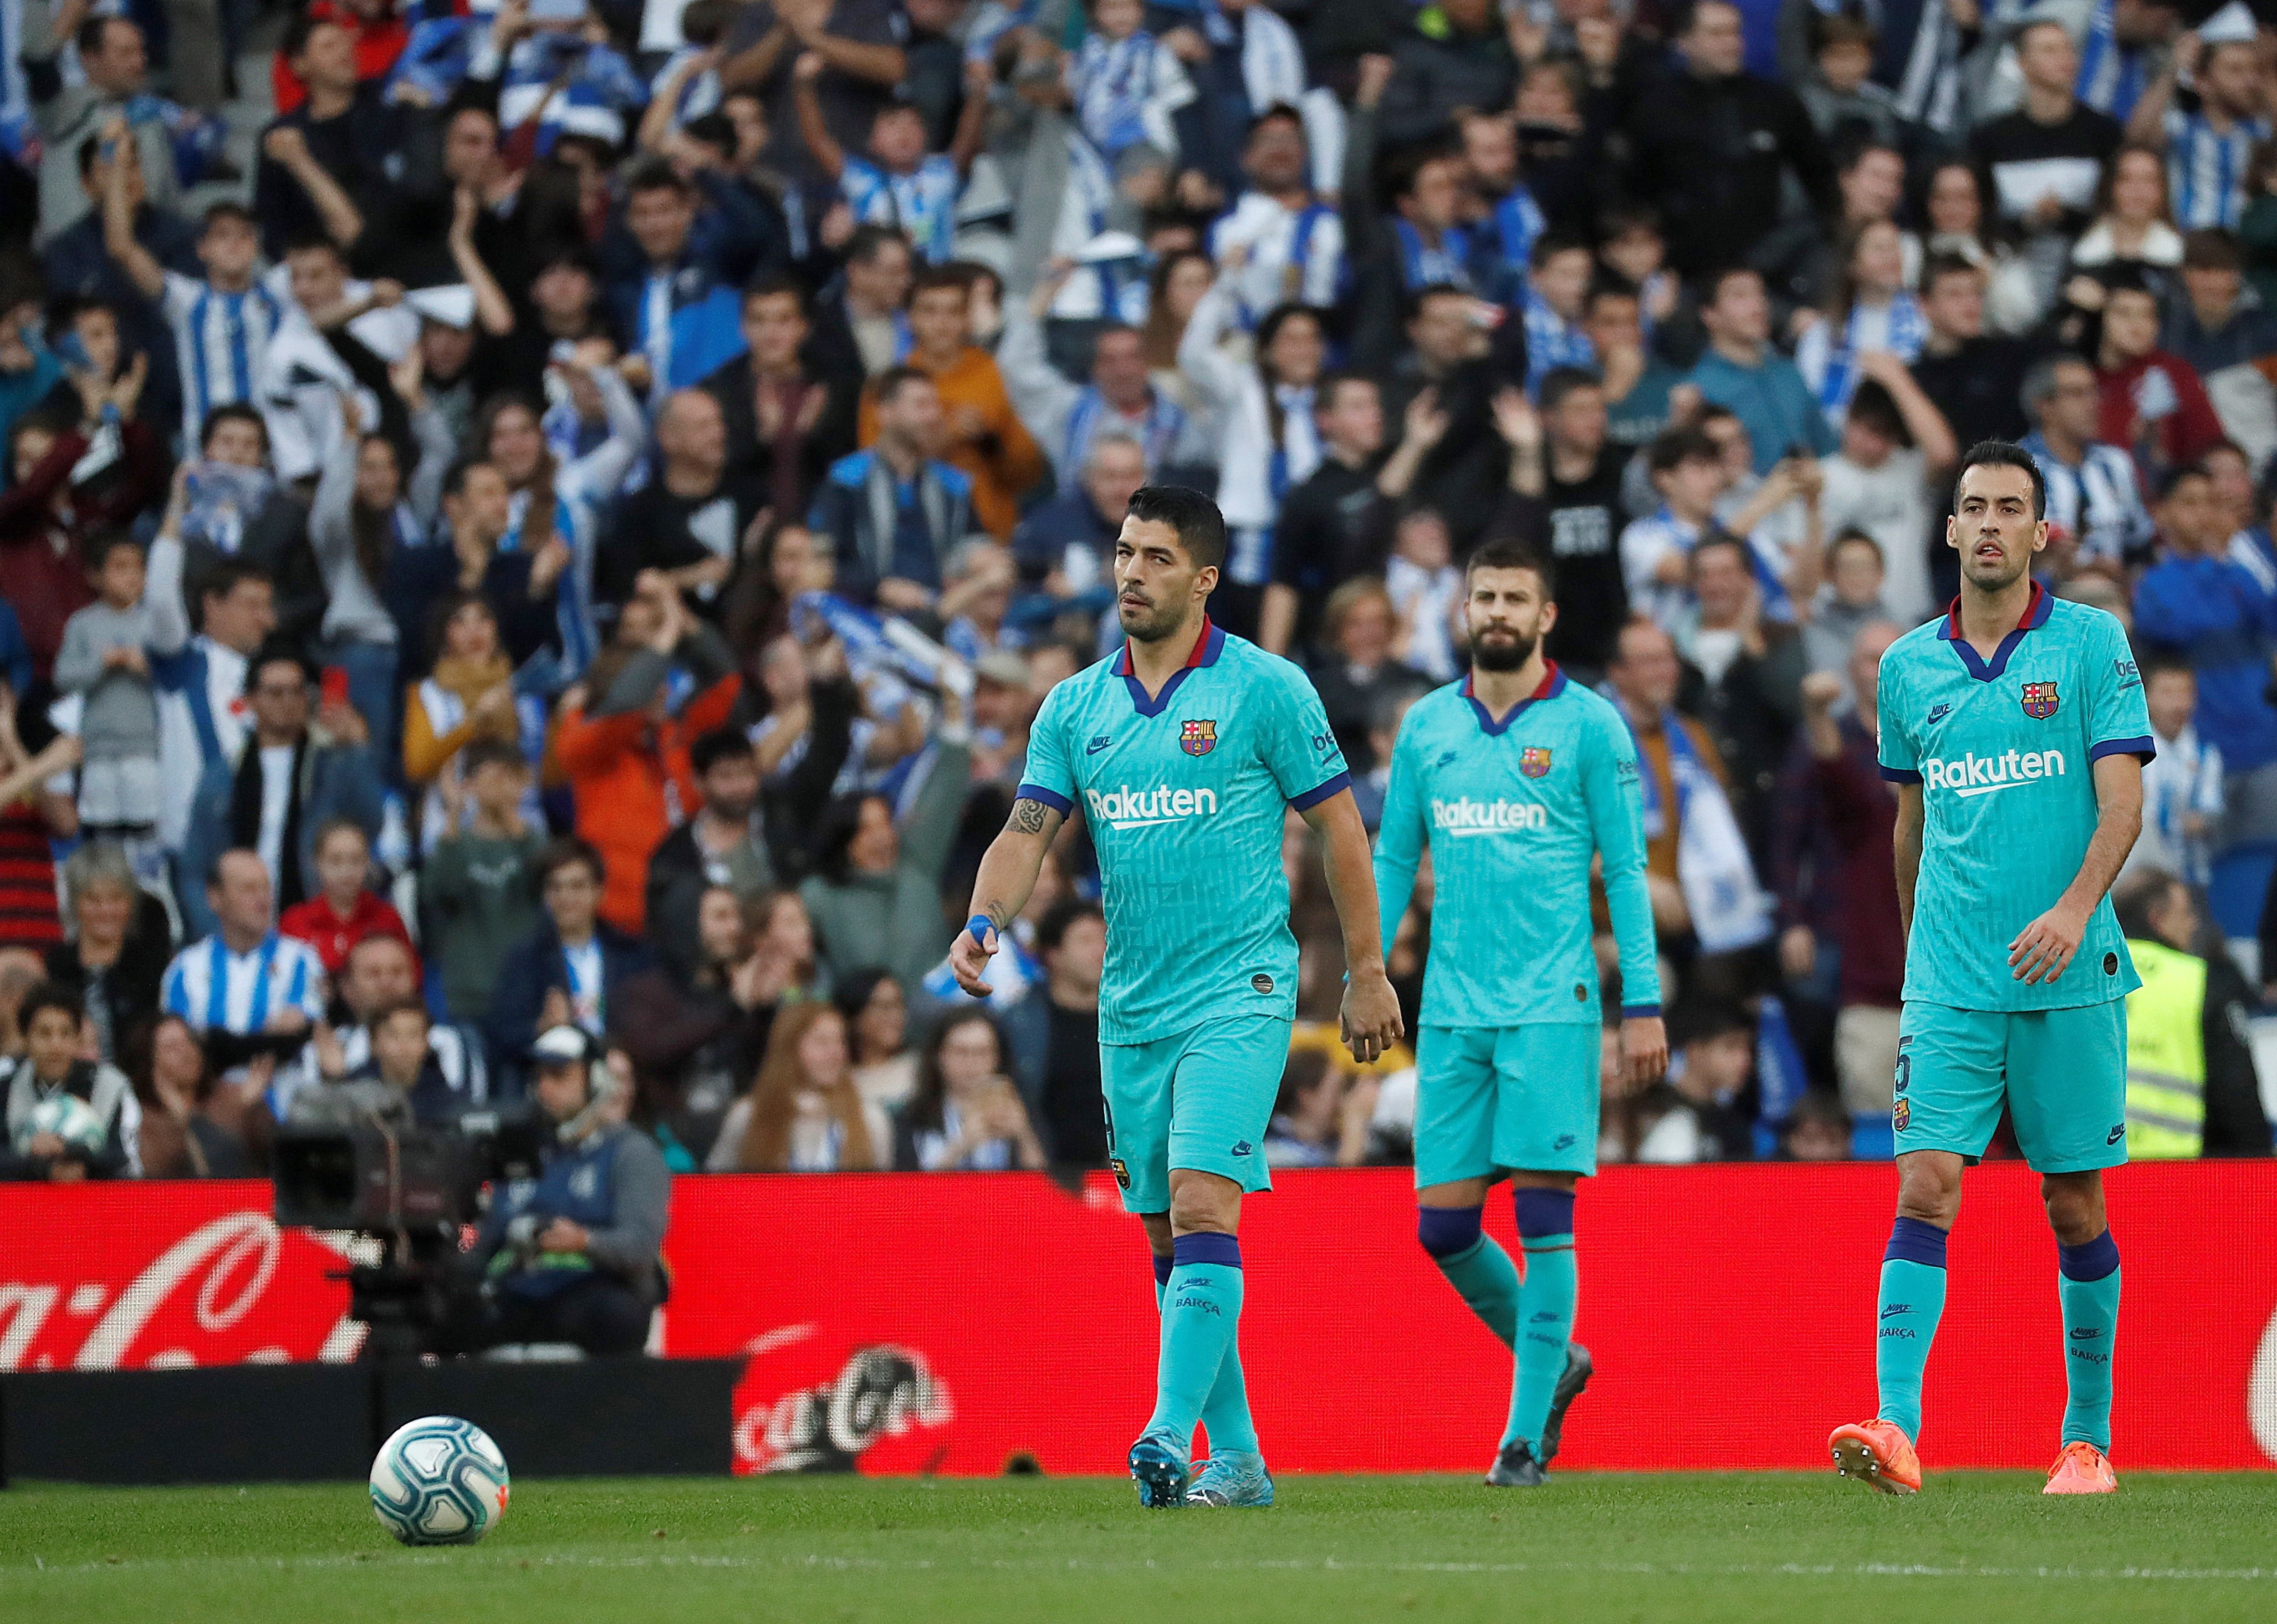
(2212, 249)
(721, 744)
(1507, 552)
(1610, 284)
(226, 210)
(894, 379)
(1199, 525)
(863, 246)
(560, 853)
(2144, 891)
(1713, 541)
(1854, 537)
(1673, 447)
(316, 242)
(1430, 290)
(455, 477)
(775, 287)
(655, 175)
(1552, 243)
(278, 652)
(1560, 382)
(1059, 918)
(932, 279)
(235, 412)
(2003, 454)
(1712, 285)
(103, 543)
(50, 995)
(1873, 407)
(297, 32)
(1937, 267)
(213, 869)
(1278, 112)
(2169, 479)
(1324, 392)
(490, 753)
(1841, 29)
(409, 1004)
(226, 575)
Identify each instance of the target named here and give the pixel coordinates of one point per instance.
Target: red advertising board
(949, 1322)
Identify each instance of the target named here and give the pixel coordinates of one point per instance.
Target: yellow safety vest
(2166, 1054)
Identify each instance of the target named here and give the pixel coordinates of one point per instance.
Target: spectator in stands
(1065, 547)
(1357, 665)
(1565, 500)
(1697, 1115)
(118, 949)
(724, 845)
(687, 523)
(893, 512)
(1858, 815)
(875, 896)
(1896, 451)
(2201, 605)
(102, 663)
(802, 1112)
(467, 699)
(292, 779)
(1321, 1116)
(1072, 940)
(1975, 382)
(1744, 680)
(1710, 146)
(787, 417)
(966, 1115)
(1337, 522)
(121, 254)
(1280, 241)
(877, 1025)
(323, 168)
(1962, 226)
(476, 885)
(565, 971)
(2191, 1087)
(685, 244)
(2152, 403)
(115, 64)
(2095, 503)
(2047, 158)
(2182, 805)
(400, 1075)
(54, 508)
(382, 971)
(1850, 599)
(254, 996)
(625, 751)
(1121, 399)
(344, 910)
(194, 1126)
(1817, 1130)
(576, 1254)
(1687, 470)
(1743, 372)
(107, 1139)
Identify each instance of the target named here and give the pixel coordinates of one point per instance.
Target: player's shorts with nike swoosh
(2061, 1074)
(1200, 1098)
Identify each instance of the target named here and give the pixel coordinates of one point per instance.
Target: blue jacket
(2212, 613)
(530, 970)
(340, 780)
(857, 508)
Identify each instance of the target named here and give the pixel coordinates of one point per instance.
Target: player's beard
(1150, 624)
(1493, 654)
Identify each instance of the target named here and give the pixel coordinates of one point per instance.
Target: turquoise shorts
(1200, 1098)
(2061, 1073)
(1491, 1098)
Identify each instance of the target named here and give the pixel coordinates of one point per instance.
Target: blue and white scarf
(1830, 365)
(1125, 91)
(1729, 909)
(1422, 266)
(1165, 422)
(2111, 77)
(922, 205)
(1551, 341)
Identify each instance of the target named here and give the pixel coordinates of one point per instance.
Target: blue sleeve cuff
(1640, 1012)
(2145, 746)
(1899, 775)
(1320, 793)
(1051, 798)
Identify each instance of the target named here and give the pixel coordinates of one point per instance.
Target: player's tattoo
(1027, 817)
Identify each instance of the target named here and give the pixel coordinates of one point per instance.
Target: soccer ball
(69, 1118)
(439, 1481)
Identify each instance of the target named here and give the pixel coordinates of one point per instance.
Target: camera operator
(575, 1256)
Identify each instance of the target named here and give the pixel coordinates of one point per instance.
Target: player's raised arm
(1007, 873)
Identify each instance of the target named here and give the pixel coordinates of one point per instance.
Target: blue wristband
(977, 928)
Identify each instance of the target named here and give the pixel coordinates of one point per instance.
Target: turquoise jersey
(1184, 795)
(2005, 753)
(1514, 811)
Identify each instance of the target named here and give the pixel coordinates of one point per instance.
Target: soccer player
(1517, 778)
(2015, 731)
(1183, 752)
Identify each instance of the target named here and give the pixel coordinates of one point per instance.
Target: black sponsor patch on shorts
(1261, 983)
(2111, 964)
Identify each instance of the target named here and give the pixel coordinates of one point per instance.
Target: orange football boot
(1877, 1454)
(2082, 1469)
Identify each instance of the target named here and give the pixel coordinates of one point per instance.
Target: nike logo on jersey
(1096, 745)
(1985, 774)
(1464, 818)
(1938, 713)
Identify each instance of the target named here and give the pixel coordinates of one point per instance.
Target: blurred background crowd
(562, 513)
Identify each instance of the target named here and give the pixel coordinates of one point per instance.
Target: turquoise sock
(1912, 1301)
(1201, 1321)
(1225, 1412)
(2088, 1290)
(1545, 1310)
(1474, 1265)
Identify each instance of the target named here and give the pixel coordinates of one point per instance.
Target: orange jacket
(1005, 463)
(627, 772)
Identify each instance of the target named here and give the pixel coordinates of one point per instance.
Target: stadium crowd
(577, 535)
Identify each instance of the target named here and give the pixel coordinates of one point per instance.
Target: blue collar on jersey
(2037, 610)
(1553, 685)
(1207, 647)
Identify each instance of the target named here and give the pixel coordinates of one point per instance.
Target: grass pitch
(1760, 1547)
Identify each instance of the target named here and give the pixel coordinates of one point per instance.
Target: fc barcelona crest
(1198, 737)
(2039, 701)
(1533, 760)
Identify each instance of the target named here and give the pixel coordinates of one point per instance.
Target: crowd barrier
(960, 1324)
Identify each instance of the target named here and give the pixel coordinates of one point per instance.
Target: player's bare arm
(1644, 1049)
(1905, 846)
(1007, 873)
(2044, 948)
(1371, 1023)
